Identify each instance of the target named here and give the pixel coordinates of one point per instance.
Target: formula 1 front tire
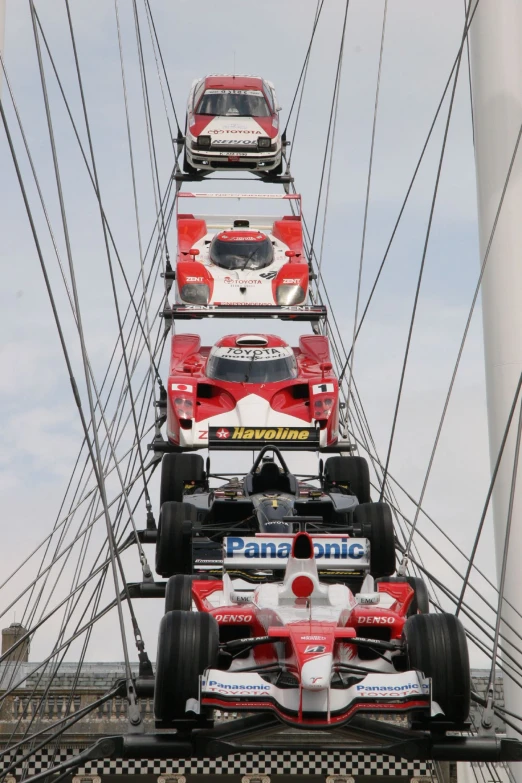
(188, 643)
(352, 473)
(436, 645)
(374, 521)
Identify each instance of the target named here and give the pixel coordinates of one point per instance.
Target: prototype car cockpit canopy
(251, 359)
(241, 250)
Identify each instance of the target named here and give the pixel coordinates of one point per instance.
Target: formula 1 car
(233, 123)
(249, 390)
(241, 262)
(195, 520)
(313, 654)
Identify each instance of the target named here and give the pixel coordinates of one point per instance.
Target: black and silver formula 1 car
(257, 511)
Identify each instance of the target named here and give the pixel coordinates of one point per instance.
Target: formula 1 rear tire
(349, 472)
(178, 470)
(174, 539)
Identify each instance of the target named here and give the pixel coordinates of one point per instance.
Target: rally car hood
(233, 130)
(252, 422)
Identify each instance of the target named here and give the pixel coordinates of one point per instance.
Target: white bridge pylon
(496, 57)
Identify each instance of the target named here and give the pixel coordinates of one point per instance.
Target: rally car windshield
(222, 368)
(241, 254)
(233, 104)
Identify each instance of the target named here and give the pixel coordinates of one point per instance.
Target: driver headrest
(269, 470)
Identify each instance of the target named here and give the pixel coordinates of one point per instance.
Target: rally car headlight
(204, 141)
(195, 293)
(290, 295)
(263, 142)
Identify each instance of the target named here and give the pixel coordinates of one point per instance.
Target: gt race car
(233, 123)
(310, 653)
(249, 390)
(195, 520)
(241, 261)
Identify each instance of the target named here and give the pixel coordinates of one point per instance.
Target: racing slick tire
(421, 600)
(188, 643)
(351, 472)
(177, 470)
(178, 593)
(436, 645)
(174, 539)
(374, 522)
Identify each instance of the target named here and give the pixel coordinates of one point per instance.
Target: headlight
(263, 142)
(290, 295)
(203, 141)
(195, 293)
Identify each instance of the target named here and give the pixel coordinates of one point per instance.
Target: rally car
(313, 654)
(243, 261)
(248, 390)
(195, 518)
(233, 123)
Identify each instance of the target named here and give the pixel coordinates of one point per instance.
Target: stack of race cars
(281, 594)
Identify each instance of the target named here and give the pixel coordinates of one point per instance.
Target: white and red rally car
(313, 654)
(247, 261)
(250, 390)
(232, 123)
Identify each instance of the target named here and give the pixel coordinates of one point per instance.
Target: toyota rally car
(233, 123)
(313, 654)
(250, 390)
(243, 261)
(195, 520)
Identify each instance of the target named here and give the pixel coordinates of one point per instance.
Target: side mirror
(194, 252)
(326, 367)
(290, 253)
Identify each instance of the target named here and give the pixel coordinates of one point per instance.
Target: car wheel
(278, 170)
(374, 522)
(420, 603)
(350, 472)
(177, 470)
(174, 539)
(187, 167)
(187, 645)
(436, 645)
(178, 593)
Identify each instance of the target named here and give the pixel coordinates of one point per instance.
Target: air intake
(251, 339)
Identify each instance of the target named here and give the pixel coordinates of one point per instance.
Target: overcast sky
(41, 434)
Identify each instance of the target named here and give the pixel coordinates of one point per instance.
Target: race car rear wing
(182, 312)
(293, 198)
(332, 552)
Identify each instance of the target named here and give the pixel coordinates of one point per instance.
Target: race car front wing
(321, 707)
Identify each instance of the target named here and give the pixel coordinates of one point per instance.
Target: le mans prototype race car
(313, 654)
(257, 260)
(249, 390)
(195, 519)
(233, 123)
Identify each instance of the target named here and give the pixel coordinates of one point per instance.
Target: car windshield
(237, 253)
(253, 368)
(234, 103)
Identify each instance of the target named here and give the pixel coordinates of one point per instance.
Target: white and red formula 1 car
(241, 261)
(250, 390)
(313, 654)
(233, 123)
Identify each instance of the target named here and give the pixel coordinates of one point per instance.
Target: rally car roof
(231, 82)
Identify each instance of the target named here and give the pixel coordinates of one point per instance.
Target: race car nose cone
(316, 673)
